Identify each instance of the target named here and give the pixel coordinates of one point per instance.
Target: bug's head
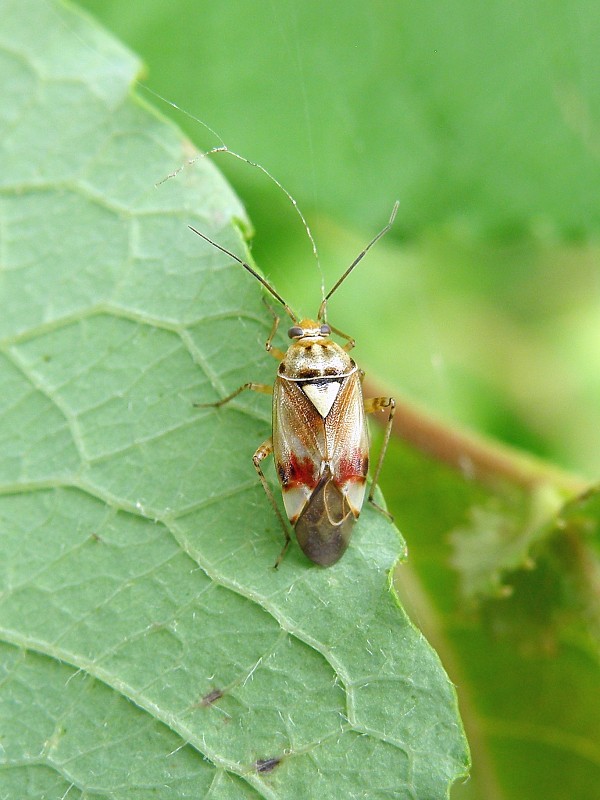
(310, 330)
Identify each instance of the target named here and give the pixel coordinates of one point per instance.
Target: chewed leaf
(500, 536)
(147, 645)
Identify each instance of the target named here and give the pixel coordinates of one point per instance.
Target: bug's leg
(350, 342)
(264, 388)
(262, 452)
(274, 351)
(371, 405)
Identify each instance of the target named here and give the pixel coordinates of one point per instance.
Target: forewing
(347, 441)
(298, 445)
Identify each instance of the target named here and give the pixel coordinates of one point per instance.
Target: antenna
(252, 271)
(323, 307)
(222, 148)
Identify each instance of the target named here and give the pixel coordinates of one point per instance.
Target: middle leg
(371, 405)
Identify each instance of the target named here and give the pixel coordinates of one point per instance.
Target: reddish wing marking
(352, 468)
(296, 471)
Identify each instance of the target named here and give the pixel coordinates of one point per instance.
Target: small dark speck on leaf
(211, 697)
(267, 764)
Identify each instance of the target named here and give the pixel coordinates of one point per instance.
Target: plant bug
(320, 437)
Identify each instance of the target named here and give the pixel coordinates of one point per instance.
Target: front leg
(350, 342)
(274, 351)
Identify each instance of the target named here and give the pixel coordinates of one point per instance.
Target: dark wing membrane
(325, 524)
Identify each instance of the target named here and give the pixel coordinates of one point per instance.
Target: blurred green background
(482, 304)
(482, 119)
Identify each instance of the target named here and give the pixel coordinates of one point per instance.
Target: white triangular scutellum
(322, 395)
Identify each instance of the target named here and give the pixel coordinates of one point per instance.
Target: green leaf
(500, 538)
(481, 118)
(525, 659)
(148, 648)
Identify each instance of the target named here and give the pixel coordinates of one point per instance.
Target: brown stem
(474, 456)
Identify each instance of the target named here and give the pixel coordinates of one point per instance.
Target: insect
(320, 438)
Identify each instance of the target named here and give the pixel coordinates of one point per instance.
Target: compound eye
(325, 330)
(295, 332)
